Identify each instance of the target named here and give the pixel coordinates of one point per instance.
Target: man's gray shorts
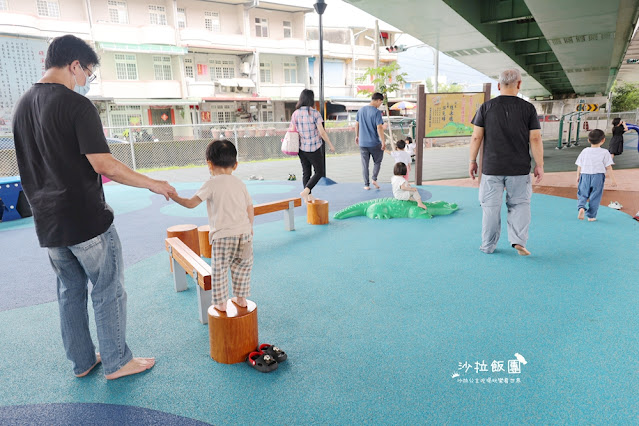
(518, 193)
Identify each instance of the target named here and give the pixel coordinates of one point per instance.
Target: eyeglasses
(91, 77)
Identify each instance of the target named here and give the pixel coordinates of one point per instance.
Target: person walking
(308, 122)
(370, 137)
(509, 128)
(61, 152)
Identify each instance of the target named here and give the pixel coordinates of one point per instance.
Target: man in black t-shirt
(509, 128)
(61, 152)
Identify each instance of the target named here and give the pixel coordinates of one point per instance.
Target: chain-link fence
(147, 147)
(595, 120)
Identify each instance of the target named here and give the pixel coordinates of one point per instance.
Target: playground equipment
(570, 117)
(388, 208)
(636, 129)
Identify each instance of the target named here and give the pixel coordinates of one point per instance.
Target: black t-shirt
(54, 128)
(507, 122)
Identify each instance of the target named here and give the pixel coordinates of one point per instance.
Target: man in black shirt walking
(509, 127)
(61, 152)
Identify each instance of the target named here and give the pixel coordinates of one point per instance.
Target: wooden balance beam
(287, 205)
(183, 259)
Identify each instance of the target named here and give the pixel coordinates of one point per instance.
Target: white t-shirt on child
(401, 157)
(594, 160)
(398, 192)
(227, 201)
(410, 148)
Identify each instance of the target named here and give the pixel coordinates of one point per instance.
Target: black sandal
(276, 353)
(261, 362)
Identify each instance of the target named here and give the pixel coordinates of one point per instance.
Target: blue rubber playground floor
(397, 321)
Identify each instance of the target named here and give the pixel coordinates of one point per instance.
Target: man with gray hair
(510, 130)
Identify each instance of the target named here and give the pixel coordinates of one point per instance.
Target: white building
(189, 61)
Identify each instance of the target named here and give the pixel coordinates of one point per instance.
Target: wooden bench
(287, 205)
(183, 259)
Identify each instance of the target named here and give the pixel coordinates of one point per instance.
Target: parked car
(343, 116)
(547, 118)
(116, 140)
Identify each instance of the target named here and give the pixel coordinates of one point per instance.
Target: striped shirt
(305, 119)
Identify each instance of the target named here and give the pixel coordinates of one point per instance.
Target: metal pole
(578, 126)
(569, 133)
(132, 149)
(421, 131)
(376, 44)
(320, 7)
(561, 133)
(436, 52)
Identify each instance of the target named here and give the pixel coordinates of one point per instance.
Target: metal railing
(148, 147)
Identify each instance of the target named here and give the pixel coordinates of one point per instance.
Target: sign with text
(449, 114)
(21, 65)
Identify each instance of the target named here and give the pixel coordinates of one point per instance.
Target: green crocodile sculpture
(388, 208)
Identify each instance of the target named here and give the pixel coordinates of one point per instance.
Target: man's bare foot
(305, 194)
(367, 187)
(592, 219)
(221, 306)
(581, 214)
(135, 366)
(521, 250)
(239, 301)
(375, 184)
(97, 361)
(422, 206)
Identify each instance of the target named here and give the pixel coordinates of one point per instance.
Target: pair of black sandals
(267, 358)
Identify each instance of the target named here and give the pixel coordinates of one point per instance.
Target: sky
(417, 62)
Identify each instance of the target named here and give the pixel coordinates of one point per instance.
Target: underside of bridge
(565, 48)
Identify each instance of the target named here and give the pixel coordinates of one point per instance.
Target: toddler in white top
(230, 212)
(402, 189)
(402, 156)
(592, 165)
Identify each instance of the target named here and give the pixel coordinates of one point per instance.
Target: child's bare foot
(375, 184)
(97, 361)
(311, 198)
(221, 306)
(135, 366)
(305, 194)
(367, 187)
(422, 206)
(521, 250)
(592, 219)
(239, 301)
(580, 216)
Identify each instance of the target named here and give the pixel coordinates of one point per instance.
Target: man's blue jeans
(99, 260)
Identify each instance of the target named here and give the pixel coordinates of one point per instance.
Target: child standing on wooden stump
(230, 211)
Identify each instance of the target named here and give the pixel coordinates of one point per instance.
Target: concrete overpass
(565, 48)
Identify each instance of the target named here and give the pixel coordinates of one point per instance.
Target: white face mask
(83, 90)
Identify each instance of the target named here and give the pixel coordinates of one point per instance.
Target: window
(126, 67)
(157, 15)
(3, 5)
(212, 21)
(222, 68)
(290, 72)
(265, 72)
(125, 116)
(188, 68)
(181, 17)
(267, 114)
(118, 12)
(288, 29)
(49, 8)
(222, 113)
(162, 68)
(261, 27)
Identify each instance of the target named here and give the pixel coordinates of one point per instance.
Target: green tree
(443, 87)
(625, 97)
(387, 79)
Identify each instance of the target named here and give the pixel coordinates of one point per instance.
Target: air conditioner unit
(246, 68)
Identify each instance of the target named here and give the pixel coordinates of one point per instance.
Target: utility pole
(376, 44)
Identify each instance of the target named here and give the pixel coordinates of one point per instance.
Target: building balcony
(126, 89)
(275, 91)
(24, 24)
(204, 38)
(146, 34)
(287, 46)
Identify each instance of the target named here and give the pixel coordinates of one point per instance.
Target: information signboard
(449, 114)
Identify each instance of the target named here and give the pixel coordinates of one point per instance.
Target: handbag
(291, 141)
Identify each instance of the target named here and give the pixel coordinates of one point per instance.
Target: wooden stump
(187, 234)
(205, 245)
(317, 212)
(233, 334)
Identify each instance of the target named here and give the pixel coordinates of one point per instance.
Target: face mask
(83, 90)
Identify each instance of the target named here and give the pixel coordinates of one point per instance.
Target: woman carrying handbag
(308, 123)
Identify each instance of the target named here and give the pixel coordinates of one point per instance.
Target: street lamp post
(320, 7)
